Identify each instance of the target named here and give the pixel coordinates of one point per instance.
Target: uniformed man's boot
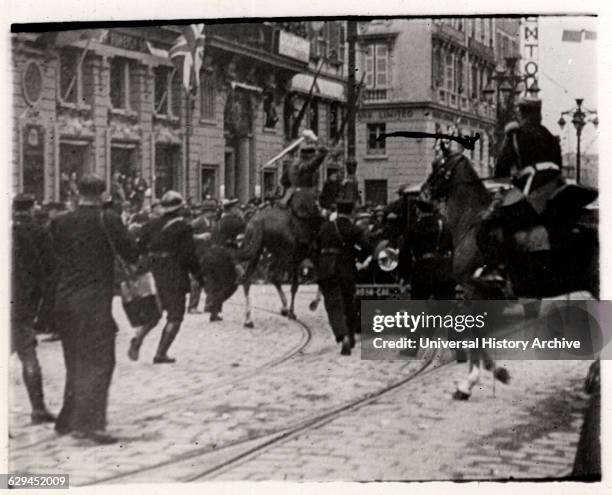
(346, 346)
(33, 383)
(168, 335)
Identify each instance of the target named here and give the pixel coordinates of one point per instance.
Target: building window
(313, 116)
(459, 78)
(376, 147)
(377, 65)
(168, 90)
(334, 121)
(207, 98)
(474, 81)
(437, 68)
(75, 83)
(120, 83)
(450, 80)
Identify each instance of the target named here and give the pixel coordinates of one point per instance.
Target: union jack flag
(187, 54)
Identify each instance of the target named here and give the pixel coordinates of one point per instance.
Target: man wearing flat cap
(340, 244)
(32, 265)
(170, 245)
(85, 241)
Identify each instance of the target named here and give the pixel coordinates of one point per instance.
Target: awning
(323, 87)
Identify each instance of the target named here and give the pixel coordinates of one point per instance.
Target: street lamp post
(506, 84)
(581, 116)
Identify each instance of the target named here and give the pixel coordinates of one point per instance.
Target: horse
(455, 183)
(273, 228)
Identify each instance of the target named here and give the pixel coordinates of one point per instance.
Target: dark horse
(272, 228)
(566, 268)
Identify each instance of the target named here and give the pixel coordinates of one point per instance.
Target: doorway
(167, 166)
(74, 162)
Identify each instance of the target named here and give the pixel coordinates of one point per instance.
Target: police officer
(170, 244)
(339, 244)
(431, 246)
(32, 263)
(531, 155)
(529, 144)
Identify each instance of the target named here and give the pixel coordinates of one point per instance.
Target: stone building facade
(108, 101)
(425, 75)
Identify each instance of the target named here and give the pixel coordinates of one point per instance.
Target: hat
(172, 201)
(363, 216)
(308, 147)
(91, 185)
(345, 207)
(23, 202)
(392, 216)
(527, 101)
(379, 209)
(209, 205)
(229, 203)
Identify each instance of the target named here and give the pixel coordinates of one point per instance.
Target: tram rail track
(269, 439)
(146, 407)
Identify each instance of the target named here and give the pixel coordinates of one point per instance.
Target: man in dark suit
(339, 244)
(32, 264)
(84, 242)
(169, 242)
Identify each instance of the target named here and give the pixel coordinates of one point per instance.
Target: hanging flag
(187, 54)
(578, 36)
(573, 36)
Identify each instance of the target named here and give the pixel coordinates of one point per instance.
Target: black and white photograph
(201, 209)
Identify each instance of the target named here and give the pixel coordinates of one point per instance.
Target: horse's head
(438, 185)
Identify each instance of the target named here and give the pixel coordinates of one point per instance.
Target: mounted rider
(301, 195)
(541, 200)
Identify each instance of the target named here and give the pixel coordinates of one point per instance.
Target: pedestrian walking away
(82, 308)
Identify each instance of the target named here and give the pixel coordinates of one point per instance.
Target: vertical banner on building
(530, 50)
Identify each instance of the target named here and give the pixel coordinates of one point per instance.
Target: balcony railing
(448, 33)
(480, 49)
(375, 95)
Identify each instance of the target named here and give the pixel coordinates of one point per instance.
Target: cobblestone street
(278, 402)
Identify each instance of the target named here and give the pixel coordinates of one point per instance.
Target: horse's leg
(295, 282)
(246, 286)
(464, 387)
(276, 270)
(314, 304)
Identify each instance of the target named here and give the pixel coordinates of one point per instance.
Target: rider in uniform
(301, 195)
(531, 155)
(340, 243)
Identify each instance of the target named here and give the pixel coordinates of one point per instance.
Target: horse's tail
(253, 238)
